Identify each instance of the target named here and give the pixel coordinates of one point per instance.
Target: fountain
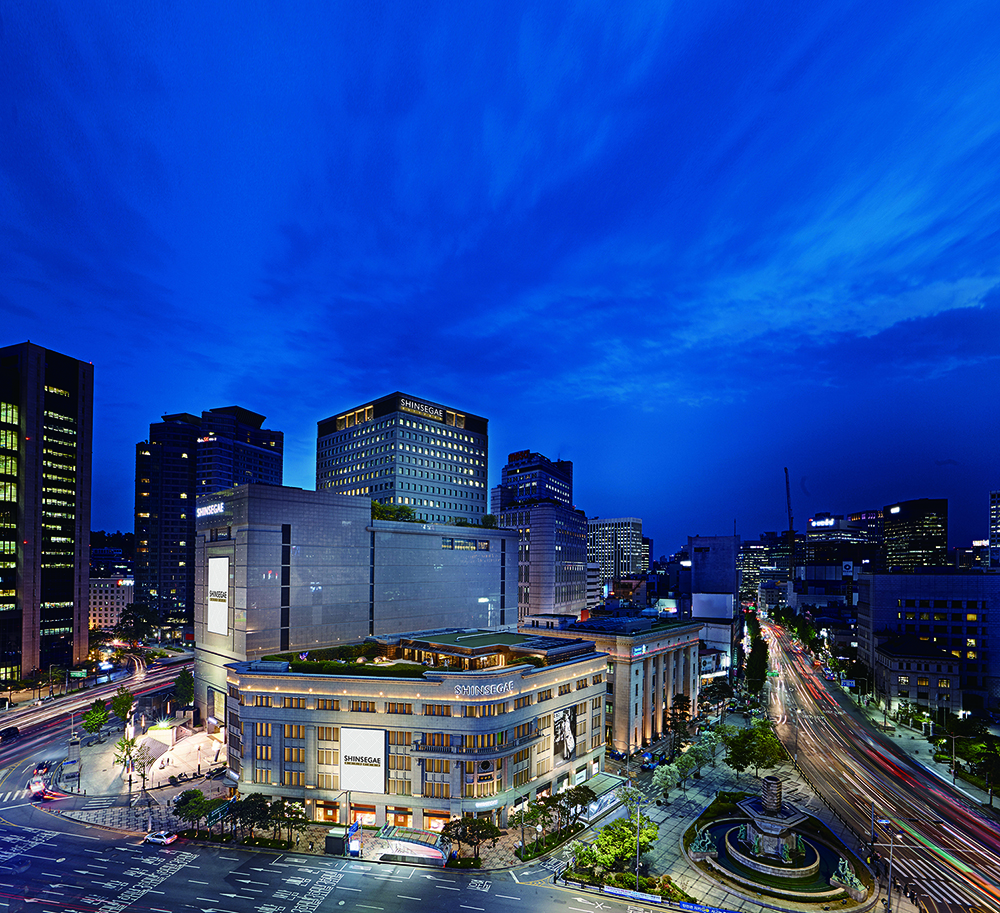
(767, 852)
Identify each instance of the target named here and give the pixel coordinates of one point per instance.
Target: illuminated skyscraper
(186, 456)
(402, 450)
(616, 545)
(915, 534)
(535, 497)
(46, 422)
(995, 529)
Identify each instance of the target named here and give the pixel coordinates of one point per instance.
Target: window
(295, 732)
(262, 700)
(327, 704)
(295, 755)
(944, 683)
(328, 781)
(597, 679)
(263, 753)
(595, 703)
(327, 756)
(400, 737)
(399, 762)
(524, 701)
(542, 696)
(295, 702)
(398, 708)
(922, 681)
(328, 733)
(904, 680)
(565, 689)
(581, 683)
(437, 709)
(294, 778)
(262, 775)
(362, 706)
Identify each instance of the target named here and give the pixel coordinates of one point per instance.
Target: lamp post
(892, 843)
(51, 667)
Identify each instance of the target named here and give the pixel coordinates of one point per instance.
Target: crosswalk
(911, 874)
(99, 803)
(14, 795)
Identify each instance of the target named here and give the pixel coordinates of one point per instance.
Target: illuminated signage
(418, 408)
(217, 616)
(208, 510)
(362, 760)
(894, 510)
(829, 522)
(639, 651)
(520, 455)
(480, 690)
(488, 803)
(980, 543)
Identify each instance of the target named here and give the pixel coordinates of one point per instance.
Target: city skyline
(683, 249)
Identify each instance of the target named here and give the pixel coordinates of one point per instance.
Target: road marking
(344, 887)
(482, 909)
(192, 881)
(407, 897)
(368, 907)
(445, 887)
(507, 896)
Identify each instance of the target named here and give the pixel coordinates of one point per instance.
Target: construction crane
(791, 528)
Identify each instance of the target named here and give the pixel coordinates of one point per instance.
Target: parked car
(10, 733)
(162, 837)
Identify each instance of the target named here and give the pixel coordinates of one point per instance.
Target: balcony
(493, 751)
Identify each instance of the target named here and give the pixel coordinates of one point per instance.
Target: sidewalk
(108, 794)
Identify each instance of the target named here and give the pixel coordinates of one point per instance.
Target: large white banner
(362, 760)
(217, 615)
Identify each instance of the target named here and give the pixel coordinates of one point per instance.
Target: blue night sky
(684, 245)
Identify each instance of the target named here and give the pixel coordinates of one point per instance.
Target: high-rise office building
(995, 528)
(186, 456)
(616, 545)
(46, 423)
(535, 497)
(915, 534)
(403, 450)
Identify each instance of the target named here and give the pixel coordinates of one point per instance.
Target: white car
(164, 837)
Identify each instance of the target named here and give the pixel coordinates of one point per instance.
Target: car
(10, 733)
(42, 768)
(162, 837)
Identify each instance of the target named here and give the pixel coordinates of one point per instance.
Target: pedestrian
(310, 846)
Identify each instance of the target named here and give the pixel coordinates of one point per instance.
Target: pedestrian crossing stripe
(939, 890)
(14, 794)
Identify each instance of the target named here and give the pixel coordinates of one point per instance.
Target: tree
(191, 806)
(765, 751)
(575, 802)
(738, 749)
(398, 512)
(679, 722)
(142, 761)
(479, 831)
(125, 750)
(666, 777)
(251, 812)
(136, 623)
(709, 744)
(288, 814)
(615, 845)
(489, 521)
(686, 765)
(525, 819)
(122, 702)
(757, 665)
(184, 687)
(96, 718)
(630, 797)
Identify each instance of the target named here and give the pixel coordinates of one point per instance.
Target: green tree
(96, 718)
(575, 802)
(479, 831)
(136, 622)
(251, 812)
(290, 815)
(738, 749)
(184, 687)
(191, 806)
(525, 819)
(686, 765)
(398, 512)
(125, 751)
(615, 845)
(765, 751)
(489, 521)
(666, 777)
(679, 722)
(757, 665)
(122, 703)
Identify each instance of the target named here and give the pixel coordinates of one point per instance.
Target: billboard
(564, 743)
(217, 603)
(362, 760)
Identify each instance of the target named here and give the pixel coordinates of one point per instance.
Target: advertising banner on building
(217, 603)
(564, 743)
(362, 760)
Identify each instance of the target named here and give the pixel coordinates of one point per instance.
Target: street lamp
(51, 667)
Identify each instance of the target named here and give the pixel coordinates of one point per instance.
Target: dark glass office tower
(186, 456)
(46, 422)
(915, 534)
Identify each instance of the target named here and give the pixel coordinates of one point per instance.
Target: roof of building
(909, 645)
